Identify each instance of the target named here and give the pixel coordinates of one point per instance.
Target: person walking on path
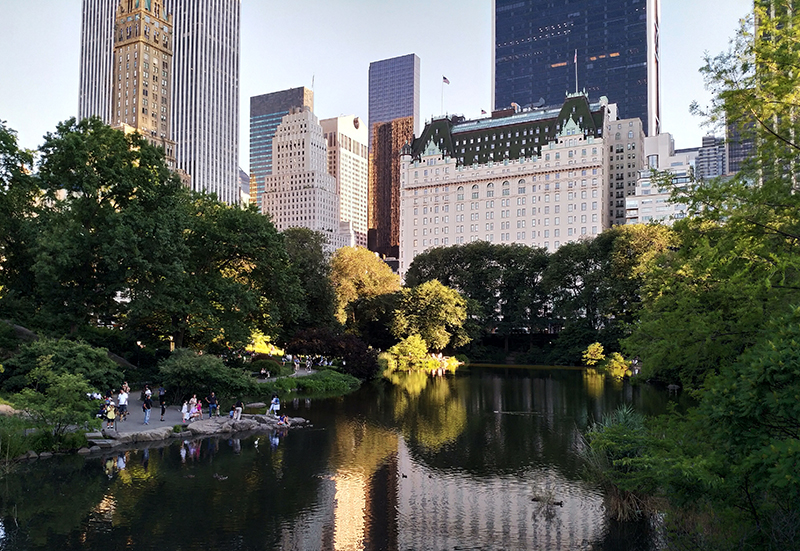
(122, 401)
(212, 405)
(147, 405)
(185, 412)
(237, 409)
(111, 415)
(162, 401)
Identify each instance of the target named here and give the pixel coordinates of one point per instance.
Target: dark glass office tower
(393, 90)
(617, 54)
(266, 113)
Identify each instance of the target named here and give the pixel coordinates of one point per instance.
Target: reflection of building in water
(443, 512)
(356, 503)
(380, 497)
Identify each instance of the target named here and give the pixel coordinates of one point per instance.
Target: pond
(487, 459)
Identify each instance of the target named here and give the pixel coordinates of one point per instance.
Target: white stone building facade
(300, 192)
(348, 163)
(540, 201)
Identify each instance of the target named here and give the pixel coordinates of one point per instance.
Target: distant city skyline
(336, 63)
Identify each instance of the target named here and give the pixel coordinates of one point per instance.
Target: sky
(330, 43)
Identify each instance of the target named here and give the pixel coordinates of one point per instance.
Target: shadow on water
(487, 459)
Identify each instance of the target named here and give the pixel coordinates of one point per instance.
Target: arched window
(460, 193)
(506, 188)
(475, 192)
(490, 190)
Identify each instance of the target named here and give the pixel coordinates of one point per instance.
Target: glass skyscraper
(614, 44)
(266, 113)
(393, 90)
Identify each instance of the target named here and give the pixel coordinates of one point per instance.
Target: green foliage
(357, 273)
(322, 383)
(503, 282)
(594, 354)
(433, 312)
(409, 353)
(61, 356)
(118, 223)
(187, 372)
(616, 456)
(357, 358)
(56, 400)
(754, 409)
(14, 438)
(273, 368)
(310, 264)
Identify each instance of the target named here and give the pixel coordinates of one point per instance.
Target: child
(111, 415)
(185, 412)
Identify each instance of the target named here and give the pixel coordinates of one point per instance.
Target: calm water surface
(445, 464)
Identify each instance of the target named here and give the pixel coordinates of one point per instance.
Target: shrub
(13, 439)
(55, 401)
(63, 356)
(273, 368)
(186, 372)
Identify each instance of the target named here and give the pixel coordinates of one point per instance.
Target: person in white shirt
(122, 401)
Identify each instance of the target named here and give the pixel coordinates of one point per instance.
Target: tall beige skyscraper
(141, 69)
(348, 156)
(300, 192)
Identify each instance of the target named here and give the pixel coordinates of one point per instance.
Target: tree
(57, 400)
(409, 353)
(232, 280)
(60, 357)
(594, 354)
(433, 312)
(186, 372)
(310, 264)
(358, 273)
(18, 194)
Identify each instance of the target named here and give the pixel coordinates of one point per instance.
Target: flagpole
(576, 71)
(441, 107)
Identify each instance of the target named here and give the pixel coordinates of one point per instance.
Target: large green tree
(434, 312)
(358, 273)
(310, 264)
(736, 262)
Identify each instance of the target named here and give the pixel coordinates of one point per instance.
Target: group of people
(192, 409)
(114, 412)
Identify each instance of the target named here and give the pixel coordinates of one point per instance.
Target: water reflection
(484, 460)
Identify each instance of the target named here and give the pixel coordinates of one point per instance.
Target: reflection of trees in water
(433, 418)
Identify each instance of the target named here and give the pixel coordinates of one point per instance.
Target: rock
(31, 455)
(94, 449)
(256, 405)
(45, 455)
(86, 451)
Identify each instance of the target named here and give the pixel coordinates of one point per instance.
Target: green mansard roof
(513, 134)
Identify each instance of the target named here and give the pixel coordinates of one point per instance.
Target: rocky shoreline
(216, 426)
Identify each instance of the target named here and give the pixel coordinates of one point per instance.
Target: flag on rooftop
(444, 79)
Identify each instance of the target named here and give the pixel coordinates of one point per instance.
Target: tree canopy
(358, 273)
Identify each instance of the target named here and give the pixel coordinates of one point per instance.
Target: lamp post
(171, 343)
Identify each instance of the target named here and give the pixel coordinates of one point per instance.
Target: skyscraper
(389, 138)
(300, 192)
(348, 155)
(204, 83)
(205, 99)
(142, 67)
(266, 113)
(393, 90)
(97, 52)
(613, 43)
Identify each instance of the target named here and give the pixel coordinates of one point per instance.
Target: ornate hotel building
(300, 192)
(348, 159)
(536, 177)
(142, 70)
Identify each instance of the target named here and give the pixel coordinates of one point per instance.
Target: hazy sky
(288, 43)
